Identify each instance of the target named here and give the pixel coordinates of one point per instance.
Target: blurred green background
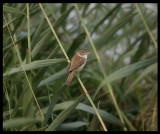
(120, 75)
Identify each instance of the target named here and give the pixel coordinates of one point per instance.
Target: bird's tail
(69, 79)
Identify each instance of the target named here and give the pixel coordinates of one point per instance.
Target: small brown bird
(76, 65)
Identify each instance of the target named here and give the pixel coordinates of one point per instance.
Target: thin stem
(23, 69)
(145, 24)
(49, 98)
(94, 107)
(101, 66)
(84, 89)
(54, 33)
(29, 40)
(9, 106)
(20, 16)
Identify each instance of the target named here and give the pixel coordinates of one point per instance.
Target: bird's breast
(81, 67)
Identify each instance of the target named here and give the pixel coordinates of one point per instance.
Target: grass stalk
(9, 105)
(146, 26)
(20, 61)
(28, 60)
(94, 107)
(20, 16)
(84, 89)
(54, 33)
(101, 66)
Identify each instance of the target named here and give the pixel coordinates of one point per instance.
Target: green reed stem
(101, 66)
(18, 54)
(146, 25)
(83, 87)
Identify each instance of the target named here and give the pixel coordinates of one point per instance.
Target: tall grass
(120, 76)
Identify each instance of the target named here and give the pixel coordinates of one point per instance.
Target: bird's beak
(88, 52)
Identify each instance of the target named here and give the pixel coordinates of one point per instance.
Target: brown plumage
(77, 63)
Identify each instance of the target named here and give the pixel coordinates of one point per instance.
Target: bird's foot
(78, 75)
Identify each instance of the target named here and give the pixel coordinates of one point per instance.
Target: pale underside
(77, 63)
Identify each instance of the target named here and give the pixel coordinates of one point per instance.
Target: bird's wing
(76, 62)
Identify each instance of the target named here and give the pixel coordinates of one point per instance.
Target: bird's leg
(78, 75)
(68, 66)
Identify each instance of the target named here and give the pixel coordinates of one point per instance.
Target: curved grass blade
(19, 17)
(112, 30)
(37, 33)
(19, 122)
(51, 106)
(12, 10)
(35, 65)
(142, 49)
(124, 34)
(62, 18)
(146, 25)
(40, 44)
(63, 7)
(18, 26)
(53, 77)
(123, 72)
(37, 79)
(63, 115)
(106, 17)
(72, 125)
(143, 74)
(94, 124)
(105, 115)
(76, 43)
(5, 26)
(12, 44)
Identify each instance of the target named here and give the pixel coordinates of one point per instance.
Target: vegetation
(116, 90)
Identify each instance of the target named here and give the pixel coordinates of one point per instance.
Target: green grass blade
(40, 44)
(94, 124)
(112, 30)
(142, 49)
(76, 43)
(72, 125)
(39, 76)
(35, 65)
(146, 25)
(85, 9)
(142, 75)
(37, 33)
(105, 115)
(106, 17)
(19, 25)
(63, 115)
(54, 101)
(123, 35)
(63, 7)
(128, 70)
(12, 44)
(19, 17)
(132, 68)
(53, 77)
(5, 26)
(62, 18)
(12, 10)
(19, 122)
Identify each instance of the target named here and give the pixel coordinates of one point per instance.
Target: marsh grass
(117, 86)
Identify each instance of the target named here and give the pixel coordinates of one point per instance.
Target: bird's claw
(78, 75)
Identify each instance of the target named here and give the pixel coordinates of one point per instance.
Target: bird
(76, 65)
